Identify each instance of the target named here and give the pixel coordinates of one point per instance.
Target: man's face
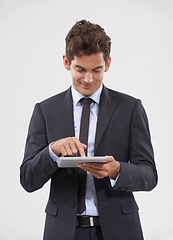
(87, 72)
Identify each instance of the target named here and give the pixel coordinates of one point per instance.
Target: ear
(66, 62)
(108, 63)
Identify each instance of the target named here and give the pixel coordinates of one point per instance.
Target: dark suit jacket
(122, 132)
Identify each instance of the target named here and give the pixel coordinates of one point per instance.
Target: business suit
(122, 132)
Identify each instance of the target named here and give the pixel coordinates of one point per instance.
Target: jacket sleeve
(140, 173)
(37, 167)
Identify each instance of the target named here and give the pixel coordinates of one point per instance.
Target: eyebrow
(78, 66)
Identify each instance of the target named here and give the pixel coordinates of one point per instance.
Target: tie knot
(86, 101)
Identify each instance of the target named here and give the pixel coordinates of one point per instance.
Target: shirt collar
(77, 96)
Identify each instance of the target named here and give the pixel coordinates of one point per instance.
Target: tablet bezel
(65, 162)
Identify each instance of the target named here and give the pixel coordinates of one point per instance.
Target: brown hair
(86, 38)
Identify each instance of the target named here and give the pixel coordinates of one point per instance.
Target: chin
(86, 94)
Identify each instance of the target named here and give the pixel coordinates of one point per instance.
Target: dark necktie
(83, 137)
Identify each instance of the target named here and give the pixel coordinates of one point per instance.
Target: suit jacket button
(72, 204)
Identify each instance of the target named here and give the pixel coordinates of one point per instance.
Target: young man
(118, 128)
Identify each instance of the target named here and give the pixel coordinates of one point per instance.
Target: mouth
(85, 85)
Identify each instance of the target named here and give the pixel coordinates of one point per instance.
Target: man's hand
(100, 170)
(68, 146)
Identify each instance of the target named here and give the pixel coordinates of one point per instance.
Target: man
(118, 128)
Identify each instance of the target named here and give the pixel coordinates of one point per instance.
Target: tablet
(65, 162)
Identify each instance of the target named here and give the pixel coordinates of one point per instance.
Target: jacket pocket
(129, 206)
(51, 208)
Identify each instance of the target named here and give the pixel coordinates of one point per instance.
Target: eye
(80, 69)
(97, 70)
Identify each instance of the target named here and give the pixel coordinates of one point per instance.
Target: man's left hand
(111, 168)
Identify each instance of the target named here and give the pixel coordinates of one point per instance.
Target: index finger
(81, 147)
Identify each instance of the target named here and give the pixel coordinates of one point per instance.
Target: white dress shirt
(90, 198)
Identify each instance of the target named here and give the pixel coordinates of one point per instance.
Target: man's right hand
(68, 146)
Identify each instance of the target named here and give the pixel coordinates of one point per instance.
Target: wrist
(54, 150)
(117, 171)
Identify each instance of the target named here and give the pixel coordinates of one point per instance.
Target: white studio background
(32, 34)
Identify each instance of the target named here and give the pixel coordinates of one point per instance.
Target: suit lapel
(67, 121)
(106, 108)
(66, 115)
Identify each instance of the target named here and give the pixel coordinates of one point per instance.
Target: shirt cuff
(53, 155)
(113, 181)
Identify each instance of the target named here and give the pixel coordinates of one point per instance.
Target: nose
(88, 78)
